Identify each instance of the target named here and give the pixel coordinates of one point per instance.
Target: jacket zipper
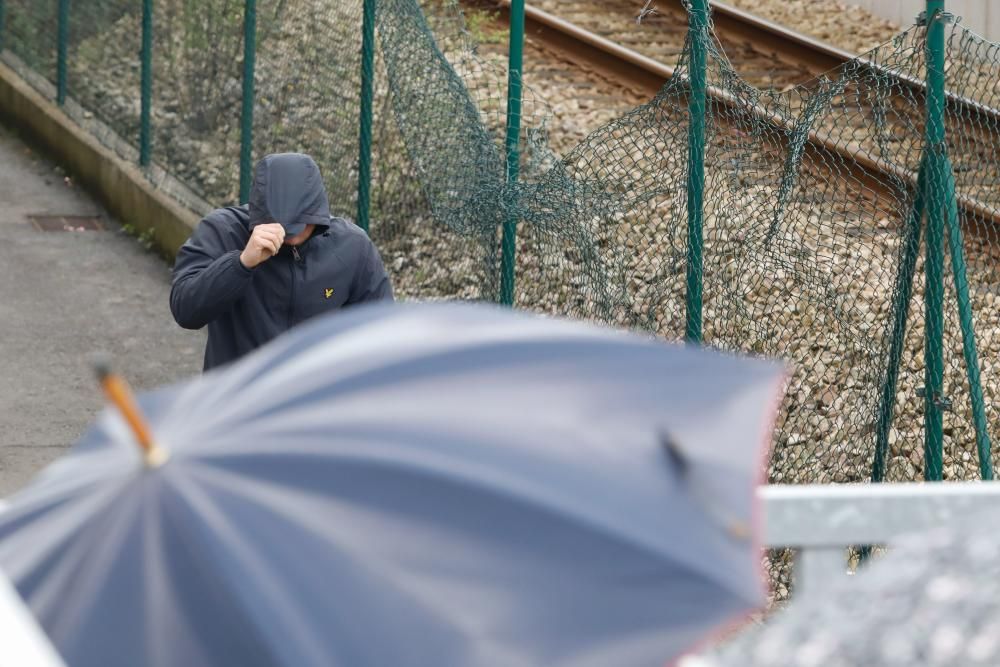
(291, 304)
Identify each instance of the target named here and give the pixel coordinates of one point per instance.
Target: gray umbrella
(934, 601)
(421, 485)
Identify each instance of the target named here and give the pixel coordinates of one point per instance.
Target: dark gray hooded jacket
(244, 308)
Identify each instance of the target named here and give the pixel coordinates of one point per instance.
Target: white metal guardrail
(821, 521)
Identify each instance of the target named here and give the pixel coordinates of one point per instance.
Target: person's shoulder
(345, 227)
(226, 224)
(227, 218)
(343, 232)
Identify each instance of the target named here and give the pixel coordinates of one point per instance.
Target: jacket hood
(288, 189)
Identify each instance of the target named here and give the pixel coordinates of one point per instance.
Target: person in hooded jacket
(250, 273)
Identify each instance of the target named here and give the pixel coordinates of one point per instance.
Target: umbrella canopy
(415, 485)
(24, 644)
(934, 601)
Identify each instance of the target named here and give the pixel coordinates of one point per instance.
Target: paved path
(63, 296)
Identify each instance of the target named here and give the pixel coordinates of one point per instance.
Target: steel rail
(635, 70)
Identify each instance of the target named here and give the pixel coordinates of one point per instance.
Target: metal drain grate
(66, 223)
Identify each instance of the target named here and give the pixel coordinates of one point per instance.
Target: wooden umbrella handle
(120, 395)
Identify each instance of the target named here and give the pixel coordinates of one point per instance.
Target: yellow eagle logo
(329, 292)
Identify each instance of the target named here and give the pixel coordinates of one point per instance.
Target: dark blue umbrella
(422, 485)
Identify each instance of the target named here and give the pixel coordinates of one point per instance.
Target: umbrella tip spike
(120, 396)
(101, 363)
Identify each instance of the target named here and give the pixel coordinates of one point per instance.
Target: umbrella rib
(199, 503)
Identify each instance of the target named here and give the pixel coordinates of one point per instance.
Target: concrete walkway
(64, 296)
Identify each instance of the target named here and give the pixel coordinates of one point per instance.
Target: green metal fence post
(900, 310)
(145, 124)
(508, 244)
(698, 32)
(983, 445)
(936, 198)
(246, 117)
(367, 103)
(61, 53)
(3, 23)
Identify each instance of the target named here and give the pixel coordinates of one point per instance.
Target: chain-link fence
(833, 230)
(813, 216)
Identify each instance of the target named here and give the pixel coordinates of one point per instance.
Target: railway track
(768, 56)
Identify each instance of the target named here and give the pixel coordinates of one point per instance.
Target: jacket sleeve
(208, 276)
(372, 282)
